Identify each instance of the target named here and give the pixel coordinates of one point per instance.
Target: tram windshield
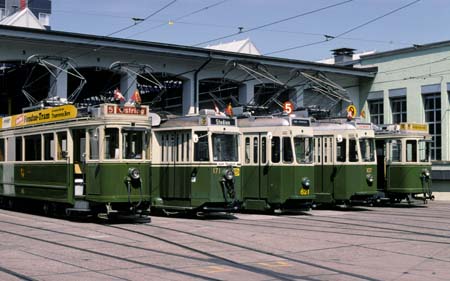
(304, 148)
(367, 147)
(225, 147)
(424, 151)
(133, 143)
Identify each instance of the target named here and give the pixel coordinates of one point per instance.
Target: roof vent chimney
(343, 55)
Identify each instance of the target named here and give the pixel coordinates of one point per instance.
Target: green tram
(84, 162)
(344, 162)
(404, 166)
(195, 167)
(277, 170)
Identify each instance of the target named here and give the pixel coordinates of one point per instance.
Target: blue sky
(425, 21)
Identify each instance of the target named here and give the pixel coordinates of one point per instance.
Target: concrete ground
(375, 243)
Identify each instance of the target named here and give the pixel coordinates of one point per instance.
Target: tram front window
(424, 151)
(367, 148)
(304, 149)
(133, 144)
(225, 147)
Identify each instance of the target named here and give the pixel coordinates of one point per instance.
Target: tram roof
(77, 39)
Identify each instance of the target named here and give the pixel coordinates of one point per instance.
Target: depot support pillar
(128, 85)
(58, 84)
(188, 95)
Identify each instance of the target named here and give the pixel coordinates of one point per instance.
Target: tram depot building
(404, 85)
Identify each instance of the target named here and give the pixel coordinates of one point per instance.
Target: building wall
(413, 74)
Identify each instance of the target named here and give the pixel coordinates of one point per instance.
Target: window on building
(376, 111)
(44, 19)
(2, 13)
(398, 106)
(432, 106)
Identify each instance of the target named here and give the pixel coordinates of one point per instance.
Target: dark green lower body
(406, 182)
(105, 188)
(345, 184)
(194, 189)
(277, 187)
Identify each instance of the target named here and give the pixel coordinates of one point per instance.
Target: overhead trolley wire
(273, 23)
(181, 17)
(330, 37)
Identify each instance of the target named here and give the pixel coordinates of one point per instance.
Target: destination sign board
(301, 122)
(222, 121)
(112, 109)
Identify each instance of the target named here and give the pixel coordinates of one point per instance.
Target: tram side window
(49, 147)
(263, 150)
(111, 143)
(367, 148)
(33, 148)
(352, 150)
(18, 148)
(424, 151)
(411, 151)
(341, 150)
(276, 144)
(201, 152)
(255, 150)
(93, 144)
(133, 144)
(303, 149)
(2, 150)
(395, 151)
(287, 150)
(61, 145)
(247, 150)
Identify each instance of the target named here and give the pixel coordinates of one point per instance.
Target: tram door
(325, 172)
(381, 163)
(79, 154)
(256, 174)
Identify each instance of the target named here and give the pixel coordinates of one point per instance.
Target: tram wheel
(10, 204)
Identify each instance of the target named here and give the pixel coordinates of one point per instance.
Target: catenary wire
(275, 22)
(329, 38)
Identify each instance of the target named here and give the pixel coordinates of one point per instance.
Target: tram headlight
(369, 178)
(228, 174)
(306, 183)
(134, 173)
(426, 173)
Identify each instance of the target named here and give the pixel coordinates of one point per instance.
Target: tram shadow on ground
(346, 208)
(195, 215)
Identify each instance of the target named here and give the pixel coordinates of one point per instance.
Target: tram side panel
(50, 182)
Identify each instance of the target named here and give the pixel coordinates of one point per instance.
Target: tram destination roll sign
(222, 121)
